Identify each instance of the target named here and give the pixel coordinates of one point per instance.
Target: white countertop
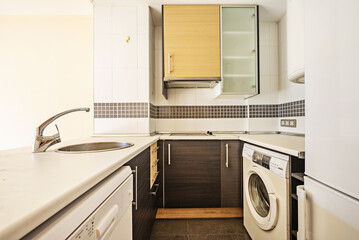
(288, 144)
(34, 186)
(199, 137)
(291, 145)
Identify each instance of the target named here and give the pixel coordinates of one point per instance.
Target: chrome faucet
(42, 143)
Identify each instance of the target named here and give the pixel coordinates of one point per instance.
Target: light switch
(288, 123)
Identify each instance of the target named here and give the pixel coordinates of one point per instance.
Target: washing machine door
(261, 199)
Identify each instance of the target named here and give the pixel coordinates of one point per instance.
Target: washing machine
(266, 193)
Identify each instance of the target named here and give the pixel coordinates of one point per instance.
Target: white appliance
(332, 120)
(266, 193)
(102, 213)
(295, 41)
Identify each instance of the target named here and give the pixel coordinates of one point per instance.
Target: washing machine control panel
(279, 167)
(273, 161)
(261, 159)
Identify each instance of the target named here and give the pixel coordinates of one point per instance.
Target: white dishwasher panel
(100, 213)
(112, 219)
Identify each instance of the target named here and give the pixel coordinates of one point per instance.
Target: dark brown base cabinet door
(192, 174)
(231, 174)
(143, 218)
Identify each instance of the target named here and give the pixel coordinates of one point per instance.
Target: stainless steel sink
(94, 147)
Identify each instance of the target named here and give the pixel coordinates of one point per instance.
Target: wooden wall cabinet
(144, 213)
(191, 41)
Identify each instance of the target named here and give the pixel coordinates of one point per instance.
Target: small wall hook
(128, 39)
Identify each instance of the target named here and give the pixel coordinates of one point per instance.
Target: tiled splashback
(175, 112)
(121, 110)
(141, 110)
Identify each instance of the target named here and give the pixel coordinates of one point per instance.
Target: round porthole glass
(258, 195)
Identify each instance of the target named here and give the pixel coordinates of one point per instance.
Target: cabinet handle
(169, 154)
(156, 149)
(155, 164)
(136, 173)
(157, 185)
(227, 155)
(169, 63)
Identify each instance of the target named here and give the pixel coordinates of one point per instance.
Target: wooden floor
(188, 213)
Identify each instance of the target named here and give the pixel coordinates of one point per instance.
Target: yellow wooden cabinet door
(191, 41)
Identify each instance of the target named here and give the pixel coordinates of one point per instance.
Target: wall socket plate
(288, 123)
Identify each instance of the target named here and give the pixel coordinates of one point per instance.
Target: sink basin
(94, 147)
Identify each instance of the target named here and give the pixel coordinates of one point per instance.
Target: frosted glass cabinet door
(239, 50)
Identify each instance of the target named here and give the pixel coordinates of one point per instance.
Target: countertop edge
(215, 137)
(295, 153)
(31, 221)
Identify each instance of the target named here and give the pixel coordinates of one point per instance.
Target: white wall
(288, 91)
(268, 66)
(45, 7)
(46, 68)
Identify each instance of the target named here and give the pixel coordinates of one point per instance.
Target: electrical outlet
(288, 123)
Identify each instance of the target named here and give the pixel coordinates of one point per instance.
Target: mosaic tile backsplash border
(121, 110)
(145, 110)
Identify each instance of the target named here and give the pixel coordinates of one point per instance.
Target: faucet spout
(41, 142)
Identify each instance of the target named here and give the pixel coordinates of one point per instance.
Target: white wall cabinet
(295, 40)
(239, 50)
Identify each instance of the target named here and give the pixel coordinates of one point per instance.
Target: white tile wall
(122, 69)
(143, 125)
(165, 125)
(103, 125)
(125, 125)
(143, 85)
(263, 124)
(152, 126)
(124, 54)
(125, 85)
(268, 50)
(121, 125)
(103, 87)
(185, 125)
(102, 19)
(133, 77)
(185, 97)
(221, 124)
(124, 20)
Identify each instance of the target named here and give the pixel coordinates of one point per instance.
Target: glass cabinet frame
(239, 73)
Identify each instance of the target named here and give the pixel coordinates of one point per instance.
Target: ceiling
(270, 10)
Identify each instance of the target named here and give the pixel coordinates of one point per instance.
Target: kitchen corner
(51, 180)
(34, 186)
(218, 119)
